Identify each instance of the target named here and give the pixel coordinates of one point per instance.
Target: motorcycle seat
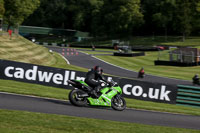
(87, 87)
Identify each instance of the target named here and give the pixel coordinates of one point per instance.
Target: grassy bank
(20, 49)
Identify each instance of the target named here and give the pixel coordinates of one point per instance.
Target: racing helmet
(98, 70)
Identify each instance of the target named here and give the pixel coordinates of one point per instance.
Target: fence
(188, 95)
(185, 58)
(177, 57)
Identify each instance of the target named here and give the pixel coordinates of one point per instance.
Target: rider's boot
(92, 92)
(95, 91)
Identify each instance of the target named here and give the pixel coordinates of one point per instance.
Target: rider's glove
(110, 84)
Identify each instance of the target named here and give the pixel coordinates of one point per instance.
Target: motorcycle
(109, 95)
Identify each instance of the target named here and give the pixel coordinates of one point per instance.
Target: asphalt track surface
(79, 58)
(52, 106)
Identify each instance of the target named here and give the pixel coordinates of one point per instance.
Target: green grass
(154, 40)
(148, 41)
(135, 63)
(161, 40)
(20, 122)
(22, 50)
(190, 41)
(33, 89)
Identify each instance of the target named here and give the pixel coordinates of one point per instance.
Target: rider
(92, 79)
(141, 73)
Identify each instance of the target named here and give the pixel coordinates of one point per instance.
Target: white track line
(64, 59)
(112, 64)
(83, 52)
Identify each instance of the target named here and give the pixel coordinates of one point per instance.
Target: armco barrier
(56, 77)
(188, 95)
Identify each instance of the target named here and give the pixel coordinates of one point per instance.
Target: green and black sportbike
(109, 96)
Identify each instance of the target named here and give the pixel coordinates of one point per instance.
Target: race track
(87, 61)
(51, 106)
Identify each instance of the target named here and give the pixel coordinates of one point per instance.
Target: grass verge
(27, 122)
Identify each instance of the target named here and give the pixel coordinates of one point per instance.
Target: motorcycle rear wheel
(76, 99)
(118, 103)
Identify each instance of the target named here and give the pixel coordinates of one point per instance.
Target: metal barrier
(188, 96)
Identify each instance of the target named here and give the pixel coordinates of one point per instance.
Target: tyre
(76, 99)
(118, 103)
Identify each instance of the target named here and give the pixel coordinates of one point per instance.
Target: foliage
(95, 16)
(164, 16)
(113, 18)
(73, 14)
(51, 13)
(118, 17)
(195, 22)
(2, 9)
(18, 10)
(180, 17)
(183, 17)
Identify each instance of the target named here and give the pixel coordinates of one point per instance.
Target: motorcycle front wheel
(118, 103)
(76, 99)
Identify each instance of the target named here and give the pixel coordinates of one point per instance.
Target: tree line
(107, 18)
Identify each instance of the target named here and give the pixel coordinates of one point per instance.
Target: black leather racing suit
(92, 79)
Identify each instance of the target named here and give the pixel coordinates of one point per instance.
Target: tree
(183, 17)
(196, 16)
(69, 14)
(164, 15)
(2, 9)
(50, 13)
(148, 9)
(86, 13)
(117, 17)
(53, 13)
(198, 6)
(17, 10)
